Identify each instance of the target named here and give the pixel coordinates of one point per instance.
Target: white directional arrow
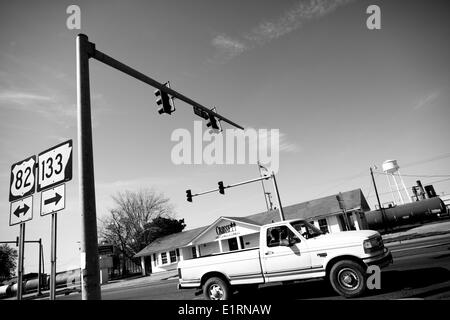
(21, 211)
(53, 200)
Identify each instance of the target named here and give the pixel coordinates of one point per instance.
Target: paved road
(420, 270)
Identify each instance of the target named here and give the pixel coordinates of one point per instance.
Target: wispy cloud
(227, 48)
(427, 100)
(265, 139)
(22, 98)
(53, 106)
(49, 106)
(266, 31)
(286, 145)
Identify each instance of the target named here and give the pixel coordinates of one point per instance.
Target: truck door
(283, 261)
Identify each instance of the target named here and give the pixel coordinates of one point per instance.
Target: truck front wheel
(348, 278)
(216, 289)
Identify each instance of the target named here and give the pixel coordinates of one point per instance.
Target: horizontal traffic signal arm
(100, 56)
(231, 185)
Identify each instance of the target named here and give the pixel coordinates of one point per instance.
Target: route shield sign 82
(23, 178)
(55, 165)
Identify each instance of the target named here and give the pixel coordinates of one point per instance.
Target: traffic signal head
(221, 188)
(163, 101)
(17, 241)
(189, 195)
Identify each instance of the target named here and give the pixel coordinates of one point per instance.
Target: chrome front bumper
(382, 260)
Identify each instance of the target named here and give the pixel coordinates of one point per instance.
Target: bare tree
(133, 212)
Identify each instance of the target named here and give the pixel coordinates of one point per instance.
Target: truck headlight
(372, 244)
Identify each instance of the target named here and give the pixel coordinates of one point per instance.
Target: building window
(323, 225)
(173, 256)
(194, 252)
(164, 257)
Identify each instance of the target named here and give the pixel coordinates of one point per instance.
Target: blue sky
(343, 97)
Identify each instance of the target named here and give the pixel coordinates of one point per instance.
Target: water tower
(391, 169)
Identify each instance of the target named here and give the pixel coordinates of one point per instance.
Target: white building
(335, 213)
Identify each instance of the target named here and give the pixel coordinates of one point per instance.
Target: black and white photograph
(258, 152)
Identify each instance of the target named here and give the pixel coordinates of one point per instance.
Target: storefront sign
(226, 228)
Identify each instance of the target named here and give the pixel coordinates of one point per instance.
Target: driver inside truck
(274, 237)
(284, 241)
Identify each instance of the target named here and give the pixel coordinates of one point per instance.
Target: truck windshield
(306, 229)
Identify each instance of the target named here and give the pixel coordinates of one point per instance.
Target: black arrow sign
(55, 199)
(19, 210)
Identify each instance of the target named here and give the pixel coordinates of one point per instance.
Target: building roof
(170, 242)
(349, 200)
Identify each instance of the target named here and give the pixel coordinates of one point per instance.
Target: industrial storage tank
(407, 214)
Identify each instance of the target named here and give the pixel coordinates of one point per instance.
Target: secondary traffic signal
(221, 187)
(17, 241)
(189, 195)
(163, 100)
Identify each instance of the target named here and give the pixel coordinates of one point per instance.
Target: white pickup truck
(289, 251)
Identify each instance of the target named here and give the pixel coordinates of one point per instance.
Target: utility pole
(383, 218)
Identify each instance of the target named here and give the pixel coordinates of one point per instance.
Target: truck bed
(241, 267)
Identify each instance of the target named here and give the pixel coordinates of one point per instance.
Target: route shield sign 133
(54, 166)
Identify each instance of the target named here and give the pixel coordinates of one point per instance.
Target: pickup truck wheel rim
(216, 292)
(348, 279)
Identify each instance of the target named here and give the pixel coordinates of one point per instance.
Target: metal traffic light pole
(90, 270)
(275, 186)
(90, 287)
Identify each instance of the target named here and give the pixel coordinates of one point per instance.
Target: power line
(434, 158)
(415, 175)
(431, 182)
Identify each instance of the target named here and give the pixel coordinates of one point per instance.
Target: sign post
(20, 267)
(21, 189)
(53, 259)
(55, 167)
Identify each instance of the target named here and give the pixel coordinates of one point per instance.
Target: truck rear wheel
(348, 278)
(216, 289)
